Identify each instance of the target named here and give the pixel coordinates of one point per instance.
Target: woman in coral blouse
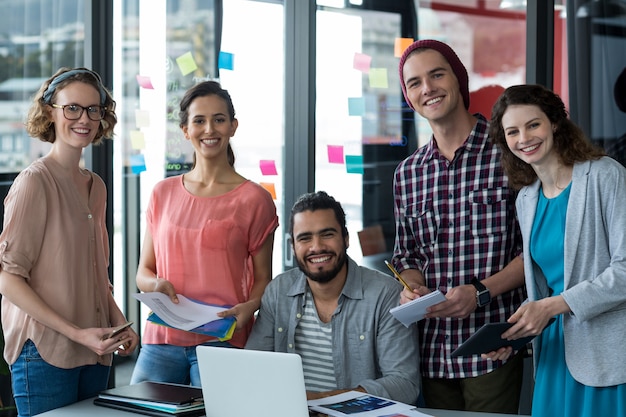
(209, 237)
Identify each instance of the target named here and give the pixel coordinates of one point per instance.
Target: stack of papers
(189, 315)
(359, 404)
(154, 399)
(415, 310)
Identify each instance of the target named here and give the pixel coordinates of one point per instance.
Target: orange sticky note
(269, 186)
(400, 45)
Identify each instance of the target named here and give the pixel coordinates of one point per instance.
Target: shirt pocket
(361, 346)
(489, 211)
(423, 223)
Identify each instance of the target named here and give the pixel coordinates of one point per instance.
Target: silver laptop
(247, 383)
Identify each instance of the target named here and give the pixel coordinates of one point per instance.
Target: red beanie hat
(455, 63)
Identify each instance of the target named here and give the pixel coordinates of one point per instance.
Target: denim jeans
(39, 386)
(169, 363)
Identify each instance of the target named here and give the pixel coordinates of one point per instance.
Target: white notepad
(415, 310)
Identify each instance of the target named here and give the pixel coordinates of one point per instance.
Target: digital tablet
(488, 338)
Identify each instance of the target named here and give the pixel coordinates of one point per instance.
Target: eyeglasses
(75, 112)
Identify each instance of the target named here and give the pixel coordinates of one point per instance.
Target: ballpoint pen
(397, 275)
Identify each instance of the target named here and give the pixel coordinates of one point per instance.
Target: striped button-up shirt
(455, 221)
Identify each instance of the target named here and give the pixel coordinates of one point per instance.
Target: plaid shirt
(456, 221)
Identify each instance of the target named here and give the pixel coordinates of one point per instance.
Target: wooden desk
(88, 409)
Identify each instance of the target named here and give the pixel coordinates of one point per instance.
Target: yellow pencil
(397, 275)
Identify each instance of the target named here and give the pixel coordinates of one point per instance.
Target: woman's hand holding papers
(166, 287)
(243, 312)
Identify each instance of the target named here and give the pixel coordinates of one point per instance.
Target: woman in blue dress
(571, 207)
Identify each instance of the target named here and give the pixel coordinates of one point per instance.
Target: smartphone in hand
(117, 330)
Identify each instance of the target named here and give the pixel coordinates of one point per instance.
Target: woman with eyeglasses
(57, 304)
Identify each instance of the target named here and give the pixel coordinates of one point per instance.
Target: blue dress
(556, 392)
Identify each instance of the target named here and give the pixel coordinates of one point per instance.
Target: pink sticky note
(362, 62)
(268, 167)
(144, 82)
(335, 154)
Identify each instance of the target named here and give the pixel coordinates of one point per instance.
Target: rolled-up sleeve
(24, 220)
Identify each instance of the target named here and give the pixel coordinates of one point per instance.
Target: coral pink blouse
(204, 247)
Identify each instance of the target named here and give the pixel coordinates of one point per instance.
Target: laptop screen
(246, 383)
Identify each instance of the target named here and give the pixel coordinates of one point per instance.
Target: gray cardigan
(595, 270)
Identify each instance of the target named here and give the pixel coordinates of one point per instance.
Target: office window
(38, 37)
(164, 48)
(360, 111)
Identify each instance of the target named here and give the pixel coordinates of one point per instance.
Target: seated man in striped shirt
(335, 314)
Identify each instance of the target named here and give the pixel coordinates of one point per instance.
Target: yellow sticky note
(137, 140)
(378, 78)
(186, 63)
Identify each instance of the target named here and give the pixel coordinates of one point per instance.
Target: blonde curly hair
(38, 123)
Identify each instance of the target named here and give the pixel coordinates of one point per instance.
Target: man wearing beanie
(456, 231)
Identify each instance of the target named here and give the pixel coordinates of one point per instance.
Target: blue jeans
(169, 363)
(39, 386)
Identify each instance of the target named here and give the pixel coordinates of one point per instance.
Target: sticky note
(268, 167)
(145, 82)
(372, 240)
(226, 60)
(137, 140)
(186, 63)
(378, 78)
(356, 106)
(354, 164)
(362, 62)
(270, 188)
(335, 154)
(142, 118)
(400, 45)
(137, 163)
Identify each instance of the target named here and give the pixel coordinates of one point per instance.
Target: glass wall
(37, 37)
(163, 48)
(361, 117)
(597, 71)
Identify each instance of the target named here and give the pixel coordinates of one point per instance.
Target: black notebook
(146, 410)
(488, 338)
(155, 399)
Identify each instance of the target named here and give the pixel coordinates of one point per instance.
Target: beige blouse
(60, 247)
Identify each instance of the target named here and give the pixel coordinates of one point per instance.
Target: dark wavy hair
(39, 125)
(203, 89)
(570, 142)
(319, 200)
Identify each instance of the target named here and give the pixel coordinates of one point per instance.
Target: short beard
(324, 276)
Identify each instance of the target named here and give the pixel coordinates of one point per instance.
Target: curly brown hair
(38, 123)
(570, 142)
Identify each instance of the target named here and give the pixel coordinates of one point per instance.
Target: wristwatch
(483, 296)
